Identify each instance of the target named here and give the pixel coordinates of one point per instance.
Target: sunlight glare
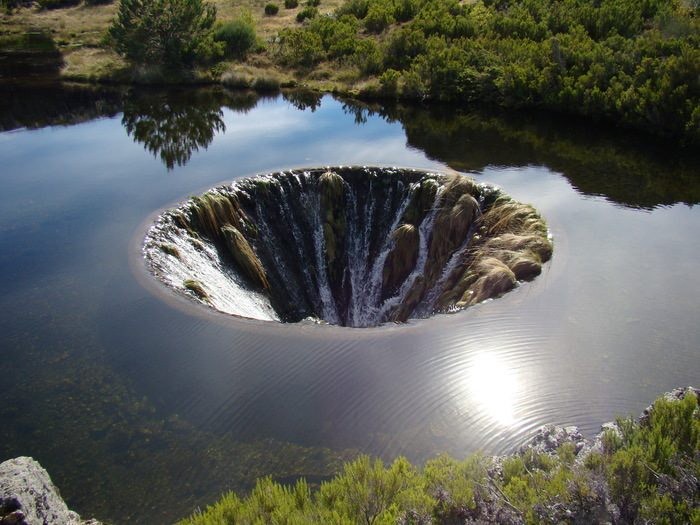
(493, 387)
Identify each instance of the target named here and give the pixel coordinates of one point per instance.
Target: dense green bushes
(238, 36)
(174, 33)
(643, 472)
(631, 61)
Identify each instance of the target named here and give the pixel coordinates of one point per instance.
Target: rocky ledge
(549, 438)
(28, 497)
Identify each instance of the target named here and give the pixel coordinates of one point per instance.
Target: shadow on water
(623, 167)
(174, 124)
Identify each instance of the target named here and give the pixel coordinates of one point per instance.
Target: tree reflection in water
(173, 125)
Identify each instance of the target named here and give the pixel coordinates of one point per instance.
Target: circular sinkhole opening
(350, 246)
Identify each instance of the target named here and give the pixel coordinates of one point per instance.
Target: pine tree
(171, 33)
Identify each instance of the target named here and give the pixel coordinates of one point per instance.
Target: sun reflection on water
(494, 387)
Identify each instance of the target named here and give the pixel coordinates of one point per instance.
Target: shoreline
(29, 497)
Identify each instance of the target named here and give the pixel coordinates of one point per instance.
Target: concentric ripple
(349, 246)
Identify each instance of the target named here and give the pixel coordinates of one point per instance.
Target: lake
(143, 405)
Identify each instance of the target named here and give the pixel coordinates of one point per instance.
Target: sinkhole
(351, 246)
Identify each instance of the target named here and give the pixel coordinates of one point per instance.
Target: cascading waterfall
(349, 246)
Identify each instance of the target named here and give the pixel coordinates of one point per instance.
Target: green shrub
(307, 13)
(356, 8)
(405, 10)
(367, 57)
(379, 17)
(174, 33)
(300, 47)
(237, 36)
(338, 35)
(403, 46)
(271, 9)
(313, 3)
(291, 4)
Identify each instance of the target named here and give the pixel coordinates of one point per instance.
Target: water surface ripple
(126, 397)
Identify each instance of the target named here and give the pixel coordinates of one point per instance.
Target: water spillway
(349, 246)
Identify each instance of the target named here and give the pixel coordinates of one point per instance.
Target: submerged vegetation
(627, 61)
(637, 471)
(353, 246)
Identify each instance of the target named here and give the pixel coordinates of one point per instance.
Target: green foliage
(379, 16)
(404, 45)
(174, 33)
(313, 3)
(338, 35)
(405, 10)
(368, 57)
(530, 487)
(237, 36)
(630, 61)
(300, 47)
(661, 451)
(271, 9)
(291, 4)
(308, 12)
(356, 8)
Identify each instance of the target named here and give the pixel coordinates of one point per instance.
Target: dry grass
(197, 289)
(401, 259)
(511, 246)
(331, 186)
(213, 211)
(79, 34)
(245, 256)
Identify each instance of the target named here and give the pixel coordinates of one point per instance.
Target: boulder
(28, 497)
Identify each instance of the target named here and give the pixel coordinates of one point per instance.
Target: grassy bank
(637, 471)
(634, 63)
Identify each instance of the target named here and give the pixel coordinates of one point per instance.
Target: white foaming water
(424, 231)
(201, 262)
(283, 219)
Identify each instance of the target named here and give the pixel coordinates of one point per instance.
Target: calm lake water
(143, 408)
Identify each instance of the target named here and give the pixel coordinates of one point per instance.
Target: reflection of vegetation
(33, 53)
(623, 167)
(47, 104)
(170, 124)
(644, 472)
(173, 125)
(303, 99)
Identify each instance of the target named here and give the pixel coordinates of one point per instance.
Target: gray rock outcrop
(28, 497)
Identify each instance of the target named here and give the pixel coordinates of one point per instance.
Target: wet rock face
(28, 497)
(350, 246)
